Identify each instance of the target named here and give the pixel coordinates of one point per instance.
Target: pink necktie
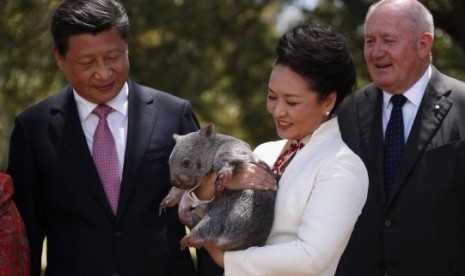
(285, 157)
(106, 157)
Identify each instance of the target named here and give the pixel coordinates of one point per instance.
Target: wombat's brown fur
(234, 219)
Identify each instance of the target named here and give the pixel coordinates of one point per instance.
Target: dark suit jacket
(420, 229)
(59, 194)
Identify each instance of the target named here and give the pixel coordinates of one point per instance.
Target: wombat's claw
(161, 209)
(166, 203)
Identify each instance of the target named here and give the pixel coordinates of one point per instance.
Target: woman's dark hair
(320, 56)
(74, 17)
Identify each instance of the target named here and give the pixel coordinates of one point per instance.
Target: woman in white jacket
(323, 184)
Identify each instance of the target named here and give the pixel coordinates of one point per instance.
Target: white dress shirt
(117, 121)
(414, 96)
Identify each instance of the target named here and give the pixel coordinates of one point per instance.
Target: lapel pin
(437, 106)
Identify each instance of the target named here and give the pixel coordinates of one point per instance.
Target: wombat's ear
(208, 130)
(176, 137)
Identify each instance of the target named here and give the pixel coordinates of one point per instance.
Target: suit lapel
(67, 135)
(141, 121)
(369, 107)
(433, 109)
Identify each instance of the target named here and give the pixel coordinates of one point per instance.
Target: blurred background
(217, 54)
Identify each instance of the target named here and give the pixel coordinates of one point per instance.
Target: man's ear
(60, 59)
(425, 45)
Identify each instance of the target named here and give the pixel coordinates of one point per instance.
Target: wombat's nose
(180, 181)
(175, 183)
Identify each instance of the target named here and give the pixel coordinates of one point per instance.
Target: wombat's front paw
(171, 199)
(185, 216)
(188, 241)
(189, 217)
(166, 203)
(224, 176)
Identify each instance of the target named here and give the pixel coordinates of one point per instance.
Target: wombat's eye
(185, 163)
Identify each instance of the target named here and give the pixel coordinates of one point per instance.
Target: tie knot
(296, 146)
(398, 100)
(102, 111)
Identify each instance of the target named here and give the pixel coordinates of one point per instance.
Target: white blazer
(320, 196)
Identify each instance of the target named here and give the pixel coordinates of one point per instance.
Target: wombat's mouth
(183, 185)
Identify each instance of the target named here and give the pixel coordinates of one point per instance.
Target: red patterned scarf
(285, 157)
(14, 247)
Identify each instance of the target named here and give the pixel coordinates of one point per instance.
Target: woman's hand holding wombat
(247, 176)
(251, 176)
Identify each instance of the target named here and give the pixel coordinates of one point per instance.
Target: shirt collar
(415, 93)
(303, 141)
(118, 103)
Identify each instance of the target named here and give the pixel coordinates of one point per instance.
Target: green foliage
(347, 16)
(27, 69)
(217, 54)
(447, 56)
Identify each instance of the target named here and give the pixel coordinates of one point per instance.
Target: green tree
(27, 69)
(348, 16)
(217, 54)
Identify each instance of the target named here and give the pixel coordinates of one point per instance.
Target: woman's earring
(327, 113)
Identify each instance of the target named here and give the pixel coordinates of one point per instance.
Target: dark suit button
(115, 274)
(387, 223)
(117, 234)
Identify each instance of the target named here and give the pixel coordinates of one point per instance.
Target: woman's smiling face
(296, 110)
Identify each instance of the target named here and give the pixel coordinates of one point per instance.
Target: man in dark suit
(94, 227)
(413, 222)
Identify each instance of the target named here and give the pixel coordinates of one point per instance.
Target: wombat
(234, 219)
